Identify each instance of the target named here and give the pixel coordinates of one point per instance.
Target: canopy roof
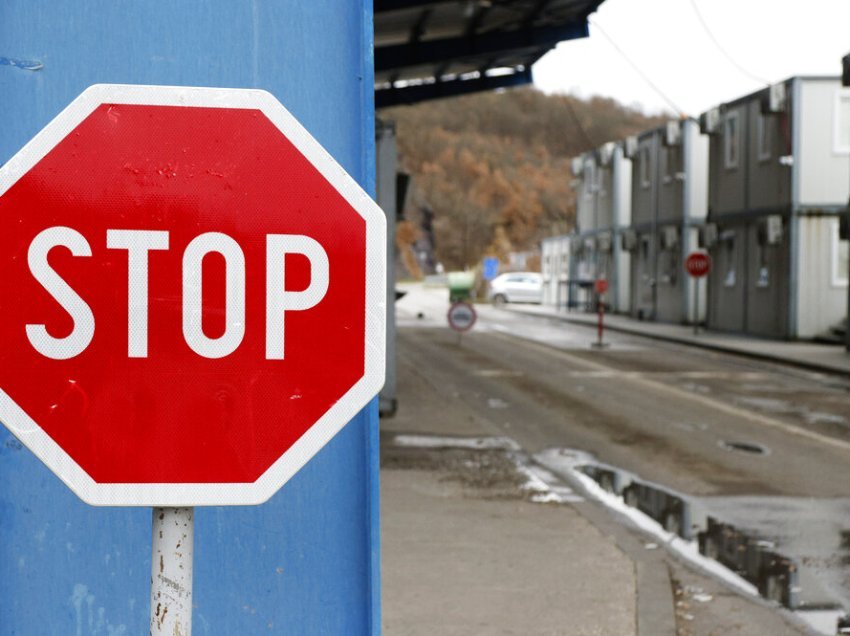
(438, 48)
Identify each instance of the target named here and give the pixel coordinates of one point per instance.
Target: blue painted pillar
(306, 562)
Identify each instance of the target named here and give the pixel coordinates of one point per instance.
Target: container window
(673, 162)
(644, 167)
(841, 122)
(589, 179)
(765, 138)
(730, 141)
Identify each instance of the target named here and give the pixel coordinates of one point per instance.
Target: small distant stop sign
(192, 296)
(600, 286)
(698, 264)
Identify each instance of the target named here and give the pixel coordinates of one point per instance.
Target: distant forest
(491, 171)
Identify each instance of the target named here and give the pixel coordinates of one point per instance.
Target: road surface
(763, 446)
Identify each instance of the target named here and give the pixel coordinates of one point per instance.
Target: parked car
(516, 287)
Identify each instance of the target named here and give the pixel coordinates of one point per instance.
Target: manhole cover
(743, 447)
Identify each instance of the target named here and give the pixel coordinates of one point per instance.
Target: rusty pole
(171, 571)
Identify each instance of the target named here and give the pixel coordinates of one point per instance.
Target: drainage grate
(743, 447)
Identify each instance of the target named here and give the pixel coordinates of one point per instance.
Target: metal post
(600, 327)
(696, 305)
(171, 571)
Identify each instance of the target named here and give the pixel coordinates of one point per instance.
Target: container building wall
(775, 187)
(622, 215)
(669, 186)
(555, 259)
(644, 196)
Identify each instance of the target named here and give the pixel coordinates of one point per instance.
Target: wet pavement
(758, 444)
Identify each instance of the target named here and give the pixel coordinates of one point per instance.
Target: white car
(516, 287)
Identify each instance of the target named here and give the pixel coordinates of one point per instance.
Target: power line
(587, 140)
(720, 48)
(643, 75)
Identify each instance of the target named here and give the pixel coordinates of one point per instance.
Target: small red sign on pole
(601, 286)
(698, 264)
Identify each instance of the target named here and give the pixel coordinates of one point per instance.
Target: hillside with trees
(491, 171)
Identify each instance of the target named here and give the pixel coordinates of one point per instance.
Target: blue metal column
(307, 562)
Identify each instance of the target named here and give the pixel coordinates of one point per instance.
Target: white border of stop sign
(342, 411)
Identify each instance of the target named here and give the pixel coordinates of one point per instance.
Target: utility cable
(587, 140)
(720, 48)
(643, 75)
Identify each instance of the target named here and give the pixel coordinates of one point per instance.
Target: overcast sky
(767, 41)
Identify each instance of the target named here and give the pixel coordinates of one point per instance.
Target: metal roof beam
(497, 42)
(380, 6)
(411, 94)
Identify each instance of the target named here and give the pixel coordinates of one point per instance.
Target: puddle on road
(741, 558)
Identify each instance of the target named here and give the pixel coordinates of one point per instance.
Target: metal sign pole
(696, 305)
(601, 325)
(171, 571)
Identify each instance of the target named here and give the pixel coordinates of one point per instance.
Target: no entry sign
(461, 316)
(191, 296)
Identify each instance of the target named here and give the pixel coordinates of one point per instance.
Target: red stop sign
(191, 299)
(600, 286)
(698, 264)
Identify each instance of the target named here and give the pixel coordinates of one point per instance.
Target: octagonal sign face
(191, 296)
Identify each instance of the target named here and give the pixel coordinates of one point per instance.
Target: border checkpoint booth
(780, 160)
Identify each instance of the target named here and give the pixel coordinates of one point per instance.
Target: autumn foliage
(495, 167)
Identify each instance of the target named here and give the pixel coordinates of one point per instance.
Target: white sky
(770, 39)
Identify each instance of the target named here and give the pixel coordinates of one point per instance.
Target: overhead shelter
(425, 49)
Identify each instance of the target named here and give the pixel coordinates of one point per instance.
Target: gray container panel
(605, 199)
(769, 139)
(671, 184)
(767, 285)
(727, 282)
(670, 285)
(728, 163)
(643, 277)
(644, 169)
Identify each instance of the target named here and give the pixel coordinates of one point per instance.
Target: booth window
(730, 141)
(644, 166)
(672, 162)
(764, 138)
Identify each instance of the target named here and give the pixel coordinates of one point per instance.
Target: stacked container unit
(555, 261)
(780, 160)
(603, 209)
(669, 204)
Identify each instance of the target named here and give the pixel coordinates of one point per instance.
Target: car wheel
(500, 299)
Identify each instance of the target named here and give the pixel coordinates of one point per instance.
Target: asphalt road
(668, 413)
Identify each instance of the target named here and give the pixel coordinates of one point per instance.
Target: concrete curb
(694, 342)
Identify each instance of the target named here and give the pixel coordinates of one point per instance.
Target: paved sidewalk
(459, 565)
(808, 355)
